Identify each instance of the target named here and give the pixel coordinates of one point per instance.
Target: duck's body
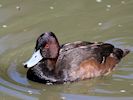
(76, 61)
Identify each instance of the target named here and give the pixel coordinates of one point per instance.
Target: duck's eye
(46, 46)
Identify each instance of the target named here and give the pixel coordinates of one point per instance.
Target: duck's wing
(87, 61)
(104, 50)
(73, 45)
(99, 49)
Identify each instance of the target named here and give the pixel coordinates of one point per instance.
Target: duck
(70, 62)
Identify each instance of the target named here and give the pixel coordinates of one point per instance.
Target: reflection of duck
(72, 61)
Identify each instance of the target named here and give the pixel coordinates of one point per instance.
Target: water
(21, 21)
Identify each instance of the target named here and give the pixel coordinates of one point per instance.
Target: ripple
(83, 97)
(17, 94)
(130, 76)
(119, 42)
(15, 75)
(103, 91)
(17, 87)
(126, 69)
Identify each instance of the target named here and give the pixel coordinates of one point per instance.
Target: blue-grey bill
(36, 57)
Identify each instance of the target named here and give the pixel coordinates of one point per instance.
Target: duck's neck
(51, 64)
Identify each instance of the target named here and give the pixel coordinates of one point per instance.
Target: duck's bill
(36, 57)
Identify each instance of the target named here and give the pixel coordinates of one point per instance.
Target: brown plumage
(73, 61)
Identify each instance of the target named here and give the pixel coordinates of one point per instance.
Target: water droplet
(63, 98)
(4, 26)
(18, 7)
(30, 92)
(51, 7)
(123, 2)
(122, 91)
(100, 24)
(1, 5)
(131, 84)
(44, 89)
(119, 25)
(98, 0)
(109, 6)
(25, 30)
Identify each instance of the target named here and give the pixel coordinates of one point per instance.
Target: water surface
(21, 21)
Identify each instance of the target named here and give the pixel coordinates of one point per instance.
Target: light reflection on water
(81, 97)
(100, 20)
(119, 42)
(18, 88)
(16, 94)
(15, 75)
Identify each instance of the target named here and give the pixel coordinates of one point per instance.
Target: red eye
(46, 46)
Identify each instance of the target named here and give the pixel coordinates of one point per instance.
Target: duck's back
(81, 60)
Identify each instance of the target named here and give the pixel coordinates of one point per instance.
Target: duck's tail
(125, 52)
(120, 53)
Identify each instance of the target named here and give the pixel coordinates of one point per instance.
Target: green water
(21, 22)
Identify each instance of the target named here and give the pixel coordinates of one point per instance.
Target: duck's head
(47, 47)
